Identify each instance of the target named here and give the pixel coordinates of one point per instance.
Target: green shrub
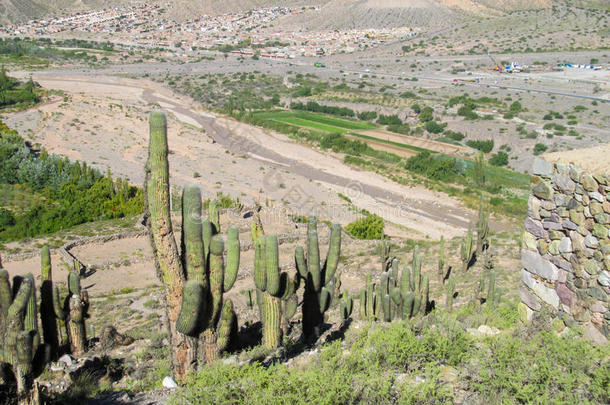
(441, 168)
(499, 159)
(426, 114)
(389, 119)
(484, 146)
(516, 107)
(540, 148)
(456, 136)
(369, 227)
(408, 94)
(467, 112)
(400, 128)
(434, 127)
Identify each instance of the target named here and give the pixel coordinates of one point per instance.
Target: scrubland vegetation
(44, 193)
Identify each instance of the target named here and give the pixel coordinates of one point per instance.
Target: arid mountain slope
(337, 13)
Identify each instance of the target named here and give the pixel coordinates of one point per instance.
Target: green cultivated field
(316, 121)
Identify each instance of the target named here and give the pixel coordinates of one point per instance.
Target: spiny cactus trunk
(76, 327)
(167, 259)
(272, 333)
(47, 313)
(211, 351)
(23, 365)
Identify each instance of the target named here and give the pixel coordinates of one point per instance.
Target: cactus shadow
(447, 274)
(249, 335)
(430, 306)
(339, 334)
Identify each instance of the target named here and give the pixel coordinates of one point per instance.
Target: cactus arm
(6, 295)
(216, 278)
(334, 251)
(313, 253)
(227, 326)
(57, 306)
(233, 252)
(31, 314)
(272, 271)
(301, 264)
(207, 231)
(193, 307)
(260, 270)
(192, 234)
(290, 307)
(214, 216)
(74, 283)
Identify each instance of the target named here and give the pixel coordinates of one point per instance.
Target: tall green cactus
(483, 226)
(195, 278)
(450, 291)
(467, 250)
(491, 291)
(319, 277)
(441, 261)
(47, 314)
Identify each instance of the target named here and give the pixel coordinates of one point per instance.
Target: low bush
(369, 227)
(484, 146)
(434, 127)
(540, 148)
(499, 159)
(441, 168)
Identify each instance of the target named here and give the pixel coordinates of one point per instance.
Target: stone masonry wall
(566, 247)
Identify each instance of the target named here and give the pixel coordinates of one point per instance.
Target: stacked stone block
(566, 247)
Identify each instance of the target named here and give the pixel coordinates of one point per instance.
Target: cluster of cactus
(346, 305)
(394, 298)
(319, 277)
(493, 294)
(483, 226)
(276, 291)
(384, 254)
(467, 249)
(200, 321)
(21, 344)
(204, 314)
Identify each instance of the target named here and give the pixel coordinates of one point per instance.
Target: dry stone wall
(566, 247)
